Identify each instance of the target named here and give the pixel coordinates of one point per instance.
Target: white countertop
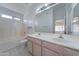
(70, 41)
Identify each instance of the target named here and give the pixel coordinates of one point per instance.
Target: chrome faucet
(38, 33)
(60, 36)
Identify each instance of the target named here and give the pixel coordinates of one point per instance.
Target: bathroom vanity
(48, 44)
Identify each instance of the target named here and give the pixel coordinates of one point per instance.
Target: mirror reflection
(62, 18)
(59, 17)
(75, 29)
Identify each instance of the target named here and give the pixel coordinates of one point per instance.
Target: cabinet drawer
(34, 40)
(53, 47)
(70, 52)
(47, 52)
(37, 41)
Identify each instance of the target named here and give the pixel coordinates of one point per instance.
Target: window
(6, 16)
(59, 26)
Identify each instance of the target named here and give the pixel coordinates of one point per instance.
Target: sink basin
(66, 41)
(61, 40)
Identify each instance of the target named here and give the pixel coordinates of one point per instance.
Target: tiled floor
(19, 50)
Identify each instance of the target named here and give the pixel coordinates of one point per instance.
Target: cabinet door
(70, 52)
(29, 46)
(47, 52)
(36, 49)
(53, 47)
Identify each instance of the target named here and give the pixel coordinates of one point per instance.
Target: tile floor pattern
(20, 50)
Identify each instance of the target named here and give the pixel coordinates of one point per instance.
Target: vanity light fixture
(46, 4)
(37, 9)
(6, 16)
(45, 7)
(17, 18)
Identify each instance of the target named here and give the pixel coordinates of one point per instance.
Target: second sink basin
(61, 40)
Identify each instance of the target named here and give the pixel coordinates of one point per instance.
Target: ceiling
(27, 9)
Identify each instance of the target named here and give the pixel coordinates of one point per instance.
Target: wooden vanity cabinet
(51, 49)
(59, 50)
(29, 44)
(34, 46)
(70, 52)
(37, 47)
(36, 50)
(48, 52)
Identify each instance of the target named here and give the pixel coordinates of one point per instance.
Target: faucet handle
(60, 36)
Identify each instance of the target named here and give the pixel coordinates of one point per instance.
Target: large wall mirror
(59, 18)
(62, 18)
(75, 24)
(43, 21)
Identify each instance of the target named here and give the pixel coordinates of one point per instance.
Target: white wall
(18, 7)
